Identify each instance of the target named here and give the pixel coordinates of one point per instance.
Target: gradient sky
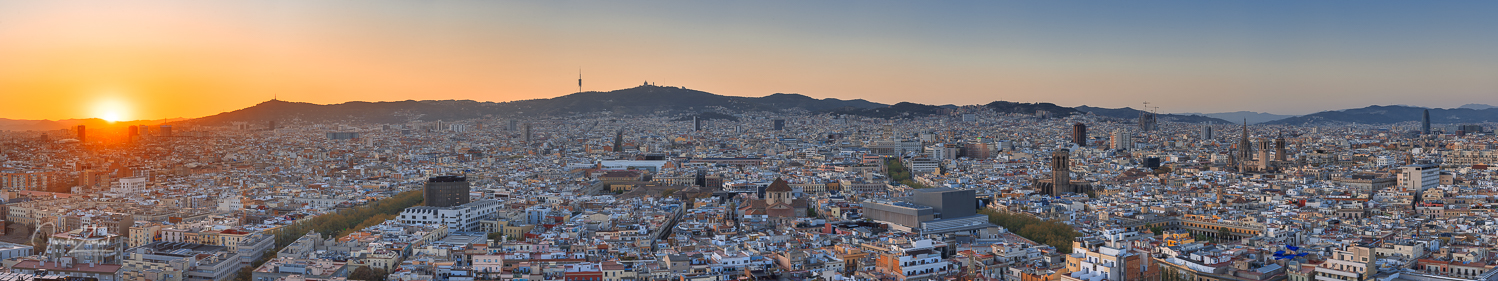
(162, 59)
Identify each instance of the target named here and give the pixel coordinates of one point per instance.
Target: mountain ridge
(1250, 116)
(679, 101)
(644, 99)
(1390, 114)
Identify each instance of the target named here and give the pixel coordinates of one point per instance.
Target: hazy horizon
(811, 96)
(166, 59)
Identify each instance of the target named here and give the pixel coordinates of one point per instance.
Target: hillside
(1030, 108)
(1250, 116)
(1392, 114)
(1133, 114)
(645, 99)
(899, 110)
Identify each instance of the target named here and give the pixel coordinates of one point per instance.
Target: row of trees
(341, 223)
(1053, 233)
(898, 173)
(347, 221)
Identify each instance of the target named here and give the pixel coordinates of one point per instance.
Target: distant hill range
(1240, 116)
(1131, 113)
(646, 99)
(1393, 114)
(679, 102)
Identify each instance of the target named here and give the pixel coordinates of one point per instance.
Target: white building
(128, 186)
(464, 217)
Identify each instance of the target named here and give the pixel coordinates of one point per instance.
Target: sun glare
(111, 109)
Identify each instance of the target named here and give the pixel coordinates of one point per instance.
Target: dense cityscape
(968, 193)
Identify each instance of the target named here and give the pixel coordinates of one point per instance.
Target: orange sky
(166, 59)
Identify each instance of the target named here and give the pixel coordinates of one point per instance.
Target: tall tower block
(1079, 134)
(1425, 122)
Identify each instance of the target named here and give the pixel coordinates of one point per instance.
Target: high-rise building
(1471, 129)
(1121, 140)
(527, 133)
(619, 141)
(1425, 122)
(779, 124)
(271, 124)
(132, 134)
(512, 125)
(446, 191)
(1079, 134)
(166, 131)
(696, 123)
(82, 134)
(1206, 132)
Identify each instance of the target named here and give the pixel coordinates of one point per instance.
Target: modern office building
(619, 141)
(446, 191)
(342, 135)
(527, 133)
(1425, 122)
(82, 134)
(930, 211)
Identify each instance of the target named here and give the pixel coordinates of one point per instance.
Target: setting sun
(111, 109)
